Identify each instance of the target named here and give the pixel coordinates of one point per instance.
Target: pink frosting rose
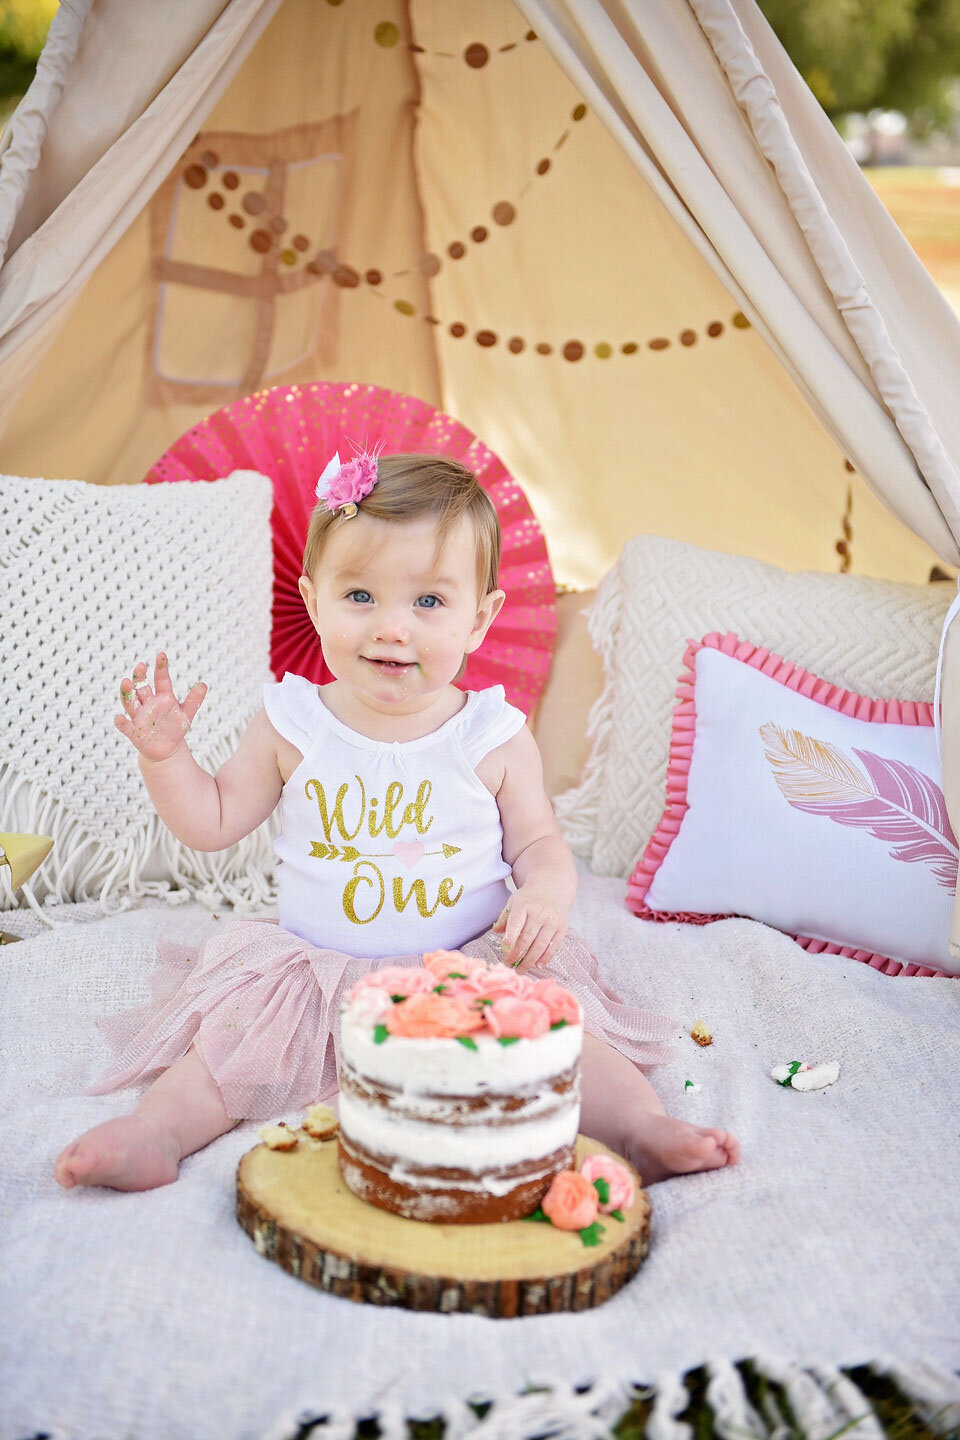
(560, 1002)
(369, 1005)
(514, 1016)
(571, 1201)
(617, 1176)
(423, 1017)
(441, 963)
(396, 980)
(499, 982)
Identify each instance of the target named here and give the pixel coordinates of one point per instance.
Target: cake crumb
(701, 1034)
(278, 1137)
(320, 1122)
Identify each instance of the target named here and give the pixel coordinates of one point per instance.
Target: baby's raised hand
(155, 720)
(532, 924)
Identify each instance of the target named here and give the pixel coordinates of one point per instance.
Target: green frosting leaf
(467, 1042)
(591, 1235)
(602, 1188)
(617, 1214)
(558, 1024)
(380, 1033)
(507, 1039)
(539, 1215)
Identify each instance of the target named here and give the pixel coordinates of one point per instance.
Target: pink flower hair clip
(344, 486)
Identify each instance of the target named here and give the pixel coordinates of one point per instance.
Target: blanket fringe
(758, 1399)
(85, 864)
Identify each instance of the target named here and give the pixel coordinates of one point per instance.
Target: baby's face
(395, 618)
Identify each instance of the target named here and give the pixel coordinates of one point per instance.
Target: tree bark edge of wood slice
(299, 1213)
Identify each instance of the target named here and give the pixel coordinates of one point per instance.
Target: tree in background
(874, 54)
(23, 29)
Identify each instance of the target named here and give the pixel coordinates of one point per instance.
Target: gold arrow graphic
(320, 851)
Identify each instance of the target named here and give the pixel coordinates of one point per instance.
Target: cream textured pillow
(877, 637)
(95, 578)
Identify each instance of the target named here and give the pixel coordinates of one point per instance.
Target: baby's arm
(203, 811)
(535, 917)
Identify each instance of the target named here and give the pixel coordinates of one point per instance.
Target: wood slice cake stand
(300, 1214)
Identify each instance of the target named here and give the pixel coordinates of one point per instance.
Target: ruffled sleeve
(292, 709)
(491, 722)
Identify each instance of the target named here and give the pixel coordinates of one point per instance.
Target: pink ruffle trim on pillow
(794, 677)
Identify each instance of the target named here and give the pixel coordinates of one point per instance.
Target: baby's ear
(487, 611)
(309, 594)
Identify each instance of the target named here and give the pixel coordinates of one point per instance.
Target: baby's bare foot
(662, 1145)
(133, 1152)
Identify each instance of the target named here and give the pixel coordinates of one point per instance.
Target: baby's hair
(409, 486)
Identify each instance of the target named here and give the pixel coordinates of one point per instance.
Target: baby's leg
(181, 1112)
(621, 1108)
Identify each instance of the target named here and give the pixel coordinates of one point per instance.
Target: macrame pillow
(876, 637)
(805, 806)
(94, 579)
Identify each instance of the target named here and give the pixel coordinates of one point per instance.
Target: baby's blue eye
(433, 599)
(363, 594)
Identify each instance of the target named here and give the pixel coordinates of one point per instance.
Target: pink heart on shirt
(408, 851)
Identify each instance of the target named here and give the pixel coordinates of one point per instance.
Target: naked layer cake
(459, 1089)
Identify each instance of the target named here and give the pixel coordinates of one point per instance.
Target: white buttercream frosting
(445, 1067)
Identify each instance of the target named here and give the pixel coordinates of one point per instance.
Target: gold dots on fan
(688, 337)
(573, 350)
(195, 176)
(386, 34)
(260, 241)
(504, 213)
(476, 55)
(740, 321)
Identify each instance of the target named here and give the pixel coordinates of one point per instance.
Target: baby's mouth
(390, 666)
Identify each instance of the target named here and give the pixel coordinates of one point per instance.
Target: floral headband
(343, 486)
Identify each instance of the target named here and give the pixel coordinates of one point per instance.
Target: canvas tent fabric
(618, 241)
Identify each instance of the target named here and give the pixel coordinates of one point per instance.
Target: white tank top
(389, 848)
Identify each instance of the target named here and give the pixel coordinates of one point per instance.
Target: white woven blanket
(153, 1316)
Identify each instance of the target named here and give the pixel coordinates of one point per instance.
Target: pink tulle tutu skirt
(262, 1008)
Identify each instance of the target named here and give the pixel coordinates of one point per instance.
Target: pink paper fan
(290, 432)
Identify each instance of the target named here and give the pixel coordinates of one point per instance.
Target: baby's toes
(717, 1147)
(69, 1167)
(732, 1146)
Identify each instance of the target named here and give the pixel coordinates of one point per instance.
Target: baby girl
(405, 803)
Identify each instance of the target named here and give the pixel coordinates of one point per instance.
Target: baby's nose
(392, 627)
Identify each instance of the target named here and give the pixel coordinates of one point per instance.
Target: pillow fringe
(241, 875)
(578, 809)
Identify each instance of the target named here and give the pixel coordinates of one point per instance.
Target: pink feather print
(893, 801)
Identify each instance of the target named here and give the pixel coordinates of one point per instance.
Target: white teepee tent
(619, 241)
